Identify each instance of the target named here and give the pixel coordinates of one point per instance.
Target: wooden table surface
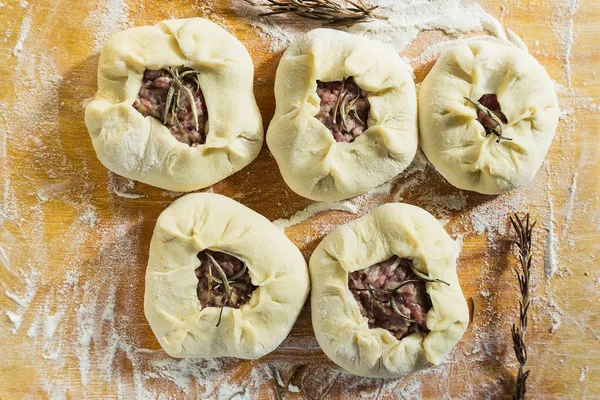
(73, 251)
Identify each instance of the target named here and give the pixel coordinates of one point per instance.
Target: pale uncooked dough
(208, 221)
(341, 330)
(311, 162)
(142, 148)
(456, 143)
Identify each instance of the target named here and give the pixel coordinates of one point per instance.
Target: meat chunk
(372, 289)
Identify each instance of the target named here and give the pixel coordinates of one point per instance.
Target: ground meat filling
(344, 109)
(490, 101)
(152, 101)
(211, 292)
(371, 287)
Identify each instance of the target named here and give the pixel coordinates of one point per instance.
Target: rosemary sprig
(391, 292)
(373, 298)
(224, 282)
(497, 125)
(338, 102)
(209, 280)
(331, 12)
(398, 312)
(524, 231)
(172, 106)
(281, 388)
(343, 108)
(232, 279)
(350, 107)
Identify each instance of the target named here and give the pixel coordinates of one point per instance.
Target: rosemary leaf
(192, 104)
(397, 310)
(374, 298)
(425, 277)
(404, 283)
(169, 102)
(172, 104)
(209, 281)
(338, 101)
(239, 274)
(225, 284)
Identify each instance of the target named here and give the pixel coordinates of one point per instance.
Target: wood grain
(75, 252)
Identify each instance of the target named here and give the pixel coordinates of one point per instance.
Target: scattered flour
(110, 17)
(563, 29)
(25, 28)
(121, 186)
(550, 264)
(554, 312)
(492, 215)
(582, 372)
(571, 191)
(313, 209)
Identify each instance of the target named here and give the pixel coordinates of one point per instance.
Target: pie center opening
(490, 101)
(211, 290)
(174, 97)
(391, 296)
(344, 109)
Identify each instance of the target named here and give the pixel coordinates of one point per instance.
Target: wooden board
(73, 251)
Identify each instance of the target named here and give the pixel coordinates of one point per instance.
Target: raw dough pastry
(142, 148)
(310, 159)
(458, 145)
(343, 332)
(276, 267)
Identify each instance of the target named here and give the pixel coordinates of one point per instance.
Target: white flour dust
(313, 209)
(25, 27)
(110, 17)
(563, 29)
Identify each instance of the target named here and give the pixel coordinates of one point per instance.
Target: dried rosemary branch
(524, 230)
(343, 108)
(495, 126)
(338, 102)
(281, 388)
(174, 95)
(224, 281)
(332, 12)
